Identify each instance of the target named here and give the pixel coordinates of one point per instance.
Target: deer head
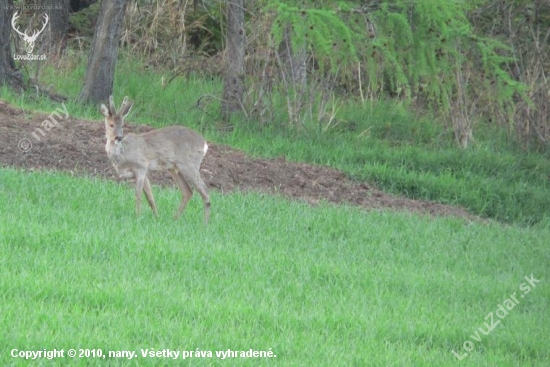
(29, 40)
(114, 121)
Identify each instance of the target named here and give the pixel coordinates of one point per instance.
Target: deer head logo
(29, 40)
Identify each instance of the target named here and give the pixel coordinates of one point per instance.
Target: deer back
(161, 149)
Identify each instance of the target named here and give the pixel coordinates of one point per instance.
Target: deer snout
(118, 138)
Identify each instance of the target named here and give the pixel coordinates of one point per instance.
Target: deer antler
(36, 33)
(14, 26)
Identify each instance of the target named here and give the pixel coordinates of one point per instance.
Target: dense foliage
(429, 54)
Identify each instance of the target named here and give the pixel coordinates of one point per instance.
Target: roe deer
(176, 149)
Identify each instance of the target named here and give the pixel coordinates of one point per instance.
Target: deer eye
(111, 125)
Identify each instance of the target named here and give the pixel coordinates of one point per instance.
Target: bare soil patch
(78, 146)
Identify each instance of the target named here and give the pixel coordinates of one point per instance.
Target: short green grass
(317, 286)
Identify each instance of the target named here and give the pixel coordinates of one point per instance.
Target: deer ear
(104, 110)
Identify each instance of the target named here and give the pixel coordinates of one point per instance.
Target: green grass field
(316, 286)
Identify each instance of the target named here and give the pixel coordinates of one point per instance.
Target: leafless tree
(9, 75)
(59, 24)
(100, 73)
(233, 86)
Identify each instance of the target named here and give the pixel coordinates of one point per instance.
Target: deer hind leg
(140, 180)
(149, 195)
(142, 184)
(186, 192)
(193, 177)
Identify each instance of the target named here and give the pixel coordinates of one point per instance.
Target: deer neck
(114, 149)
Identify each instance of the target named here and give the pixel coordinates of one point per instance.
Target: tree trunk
(100, 74)
(9, 74)
(233, 86)
(59, 25)
(294, 61)
(293, 67)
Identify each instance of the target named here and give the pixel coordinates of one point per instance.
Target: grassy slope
(380, 143)
(320, 286)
